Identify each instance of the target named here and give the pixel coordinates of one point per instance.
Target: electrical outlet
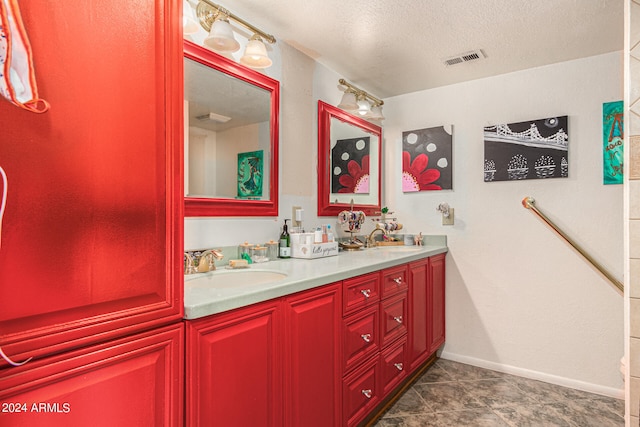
(448, 220)
(295, 223)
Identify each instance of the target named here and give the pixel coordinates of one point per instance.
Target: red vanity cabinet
(328, 356)
(270, 364)
(234, 368)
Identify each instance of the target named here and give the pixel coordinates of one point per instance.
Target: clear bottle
(285, 241)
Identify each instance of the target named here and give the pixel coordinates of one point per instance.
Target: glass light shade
(363, 107)
(255, 54)
(376, 113)
(348, 102)
(189, 24)
(221, 37)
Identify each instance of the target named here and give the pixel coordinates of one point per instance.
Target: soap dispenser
(285, 241)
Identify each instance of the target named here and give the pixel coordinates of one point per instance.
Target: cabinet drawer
(360, 392)
(394, 280)
(361, 336)
(393, 366)
(360, 292)
(393, 318)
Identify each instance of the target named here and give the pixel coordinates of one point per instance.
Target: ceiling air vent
(474, 55)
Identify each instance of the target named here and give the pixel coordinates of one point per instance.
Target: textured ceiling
(393, 47)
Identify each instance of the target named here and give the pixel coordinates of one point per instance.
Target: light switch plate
(448, 220)
(295, 223)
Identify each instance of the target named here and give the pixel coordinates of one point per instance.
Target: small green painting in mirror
(250, 173)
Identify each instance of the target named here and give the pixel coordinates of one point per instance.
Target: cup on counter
(409, 240)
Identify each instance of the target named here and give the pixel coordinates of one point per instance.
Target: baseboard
(535, 375)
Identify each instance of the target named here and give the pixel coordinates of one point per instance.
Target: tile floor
(455, 394)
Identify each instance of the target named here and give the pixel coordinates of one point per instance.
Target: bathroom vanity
(324, 342)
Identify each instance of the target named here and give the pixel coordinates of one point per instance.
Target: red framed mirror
(231, 138)
(349, 162)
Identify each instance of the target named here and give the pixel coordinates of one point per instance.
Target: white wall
(518, 298)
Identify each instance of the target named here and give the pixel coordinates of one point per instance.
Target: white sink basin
(234, 279)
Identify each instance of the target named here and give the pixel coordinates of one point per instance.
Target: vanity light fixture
(215, 19)
(356, 100)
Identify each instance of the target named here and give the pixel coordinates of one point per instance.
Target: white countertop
(301, 274)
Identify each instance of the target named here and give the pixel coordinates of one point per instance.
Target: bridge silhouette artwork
(536, 149)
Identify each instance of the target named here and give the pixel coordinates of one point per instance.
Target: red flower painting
(357, 180)
(416, 176)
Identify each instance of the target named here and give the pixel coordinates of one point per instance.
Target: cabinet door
(92, 232)
(136, 381)
(437, 303)
(234, 368)
(419, 313)
(312, 351)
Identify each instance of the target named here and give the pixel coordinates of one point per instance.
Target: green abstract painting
(612, 140)
(250, 173)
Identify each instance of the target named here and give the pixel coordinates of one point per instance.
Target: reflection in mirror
(231, 137)
(348, 162)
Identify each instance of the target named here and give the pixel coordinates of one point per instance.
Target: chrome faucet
(370, 240)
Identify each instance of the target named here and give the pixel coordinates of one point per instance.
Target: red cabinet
(270, 364)
(312, 355)
(426, 308)
(91, 236)
(324, 357)
(437, 302)
(136, 381)
(234, 368)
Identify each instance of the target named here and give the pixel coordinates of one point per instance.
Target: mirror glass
(231, 137)
(349, 162)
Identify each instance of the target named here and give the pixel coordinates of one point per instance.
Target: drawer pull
(398, 280)
(399, 366)
(366, 292)
(367, 393)
(366, 337)
(398, 319)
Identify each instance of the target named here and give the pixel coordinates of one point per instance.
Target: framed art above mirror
(231, 124)
(349, 162)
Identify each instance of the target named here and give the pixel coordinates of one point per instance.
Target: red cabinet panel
(418, 313)
(136, 381)
(312, 351)
(361, 291)
(393, 366)
(393, 317)
(234, 368)
(426, 308)
(394, 280)
(437, 294)
(361, 392)
(92, 233)
(361, 336)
